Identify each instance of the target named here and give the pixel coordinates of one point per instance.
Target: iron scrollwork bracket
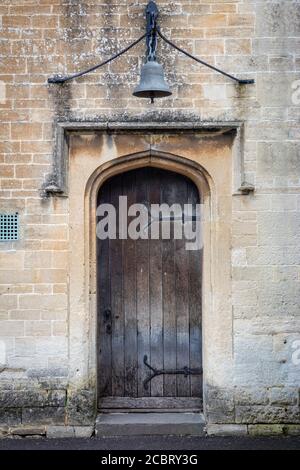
(185, 371)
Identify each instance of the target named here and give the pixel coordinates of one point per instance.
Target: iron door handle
(107, 321)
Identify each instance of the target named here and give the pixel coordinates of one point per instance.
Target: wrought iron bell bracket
(151, 22)
(152, 33)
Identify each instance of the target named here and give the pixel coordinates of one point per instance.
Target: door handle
(107, 321)
(107, 314)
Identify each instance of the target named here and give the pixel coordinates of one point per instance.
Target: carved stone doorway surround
(209, 154)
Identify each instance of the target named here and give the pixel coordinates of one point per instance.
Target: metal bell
(152, 84)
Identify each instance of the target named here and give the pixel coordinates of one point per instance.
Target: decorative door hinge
(155, 372)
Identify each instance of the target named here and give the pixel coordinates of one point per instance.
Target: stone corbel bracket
(246, 188)
(57, 182)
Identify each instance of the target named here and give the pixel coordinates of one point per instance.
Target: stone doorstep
(125, 424)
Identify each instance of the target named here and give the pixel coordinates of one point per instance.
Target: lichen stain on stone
(197, 142)
(74, 19)
(219, 404)
(89, 142)
(109, 147)
(128, 143)
(73, 30)
(109, 141)
(61, 95)
(89, 40)
(81, 403)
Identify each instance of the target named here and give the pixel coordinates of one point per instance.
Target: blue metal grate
(9, 227)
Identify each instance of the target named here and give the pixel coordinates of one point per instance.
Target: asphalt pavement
(162, 443)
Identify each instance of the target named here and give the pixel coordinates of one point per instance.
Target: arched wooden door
(149, 304)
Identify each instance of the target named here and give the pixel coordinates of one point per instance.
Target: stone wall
(249, 38)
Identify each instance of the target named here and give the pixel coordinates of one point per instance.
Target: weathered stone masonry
(256, 387)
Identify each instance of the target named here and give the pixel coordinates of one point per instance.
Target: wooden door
(149, 304)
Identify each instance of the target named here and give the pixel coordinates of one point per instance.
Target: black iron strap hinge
(155, 372)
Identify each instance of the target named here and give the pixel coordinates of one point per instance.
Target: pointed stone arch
(86, 175)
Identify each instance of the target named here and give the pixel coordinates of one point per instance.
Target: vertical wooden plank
(116, 275)
(104, 308)
(169, 295)
(129, 296)
(182, 301)
(142, 286)
(195, 307)
(155, 276)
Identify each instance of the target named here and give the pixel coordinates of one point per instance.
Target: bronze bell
(152, 84)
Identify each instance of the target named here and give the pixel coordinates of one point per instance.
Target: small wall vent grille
(9, 227)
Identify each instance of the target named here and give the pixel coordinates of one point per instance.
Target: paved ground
(162, 443)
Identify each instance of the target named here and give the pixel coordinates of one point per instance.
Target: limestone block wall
(249, 38)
